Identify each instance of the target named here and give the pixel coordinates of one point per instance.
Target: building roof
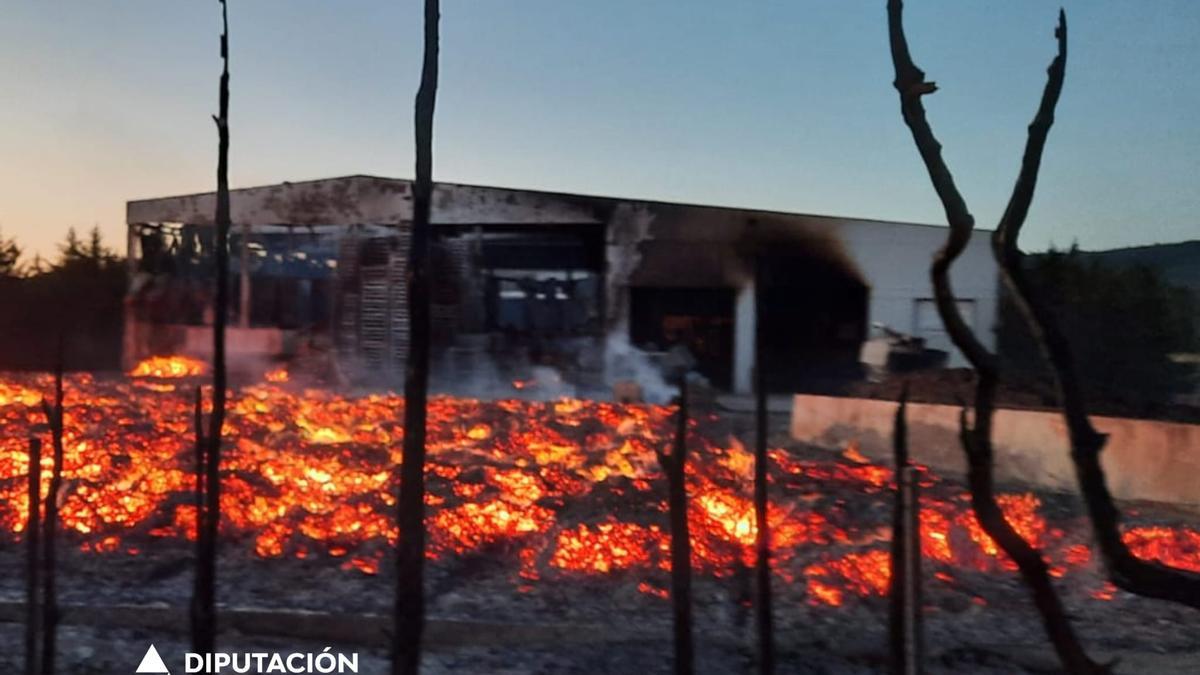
(365, 199)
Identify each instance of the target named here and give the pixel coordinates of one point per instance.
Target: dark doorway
(699, 318)
(814, 311)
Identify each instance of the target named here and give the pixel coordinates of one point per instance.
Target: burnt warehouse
(529, 283)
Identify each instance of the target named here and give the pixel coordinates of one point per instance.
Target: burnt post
(410, 554)
(244, 299)
(54, 417)
(203, 607)
(33, 567)
(911, 633)
(674, 467)
(905, 630)
(762, 540)
(200, 456)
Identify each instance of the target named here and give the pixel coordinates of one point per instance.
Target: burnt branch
(674, 467)
(1125, 570)
(201, 454)
(410, 558)
(904, 601)
(204, 619)
(764, 616)
(33, 567)
(910, 83)
(50, 616)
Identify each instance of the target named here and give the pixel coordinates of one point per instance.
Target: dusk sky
(776, 105)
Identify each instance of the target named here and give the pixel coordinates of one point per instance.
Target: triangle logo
(152, 663)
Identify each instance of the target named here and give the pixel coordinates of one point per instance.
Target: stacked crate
(373, 324)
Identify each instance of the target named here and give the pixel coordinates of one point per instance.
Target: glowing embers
(510, 514)
(555, 490)
(277, 376)
(866, 573)
(1177, 547)
(169, 367)
(610, 546)
(15, 394)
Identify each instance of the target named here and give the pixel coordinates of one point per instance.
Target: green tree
(74, 254)
(1123, 322)
(79, 296)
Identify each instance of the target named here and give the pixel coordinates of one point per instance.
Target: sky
(782, 105)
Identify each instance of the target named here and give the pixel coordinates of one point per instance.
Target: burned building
(537, 279)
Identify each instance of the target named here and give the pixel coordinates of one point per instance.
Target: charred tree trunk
(410, 558)
(764, 618)
(976, 438)
(33, 562)
(896, 608)
(674, 467)
(904, 594)
(1126, 571)
(204, 618)
(201, 454)
(54, 416)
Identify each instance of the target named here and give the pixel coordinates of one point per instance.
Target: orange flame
(169, 367)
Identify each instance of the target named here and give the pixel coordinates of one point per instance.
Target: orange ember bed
(562, 488)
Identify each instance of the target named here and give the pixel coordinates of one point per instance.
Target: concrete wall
(1144, 459)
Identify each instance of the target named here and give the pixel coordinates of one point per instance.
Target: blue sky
(781, 105)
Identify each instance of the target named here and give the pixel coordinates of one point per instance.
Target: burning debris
(169, 367)
(559, 489)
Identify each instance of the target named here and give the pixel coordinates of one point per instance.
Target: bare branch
(204, 619)
(674, 466)
(410, 558)
(50, 616)
(976, 439)
(763, 603)
(33, 568)
(1126, 571)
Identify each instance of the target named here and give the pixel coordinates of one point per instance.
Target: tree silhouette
(10, 256)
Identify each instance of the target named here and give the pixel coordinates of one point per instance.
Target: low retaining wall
(1144, 459)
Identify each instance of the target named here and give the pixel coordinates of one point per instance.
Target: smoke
(623, 361)
(588, 368)
(478, 373)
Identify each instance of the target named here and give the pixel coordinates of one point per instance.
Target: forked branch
(976, 437)
(1125, 570)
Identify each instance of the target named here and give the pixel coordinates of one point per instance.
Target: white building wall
(894, 260)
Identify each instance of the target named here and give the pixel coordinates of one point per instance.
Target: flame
(169, 367)
(314, 473)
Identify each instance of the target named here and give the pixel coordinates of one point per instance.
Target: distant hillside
(1179, 264)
